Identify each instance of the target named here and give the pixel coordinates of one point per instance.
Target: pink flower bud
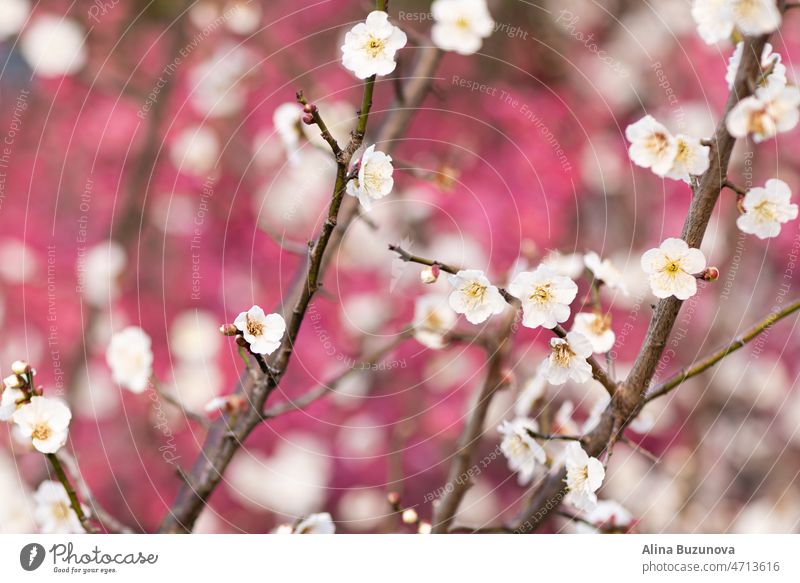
(308, 119)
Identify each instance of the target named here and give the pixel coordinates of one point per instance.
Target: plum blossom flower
(717, 19)
(567, 359)
(12, 399)
(567, 264)
(475, 296)
(460, 25)
(774, 108)
(54, 513)
(374, 180)
(130, 358)
(584, 477)
(605, 271)
(534, 389)
(320, 523)
(261, 331)
(195, 151)
(13, 14)
(45, 422)
(766, 209)
(671, 268)
(545, 296)
(770, 62)
(597, 330)
(54, 46)
(691, 158)
(369, 47)
(433, 319)
(522, 451)
(607, 516)
(652, 146)
(103, 266)
(286, 121)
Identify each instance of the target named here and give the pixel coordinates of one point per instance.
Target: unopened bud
(12, 382)
(228, 330)
(430, 274)
(20, 367)
(710, 274)
(425, 527)
(393, 498)
(310, 108)
(410, 516)
(308, 119)
(507, 377)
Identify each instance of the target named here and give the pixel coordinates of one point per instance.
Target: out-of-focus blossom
(461, 25)
(597, 330)
(584, 477)
(522, 451)
(770, 62)
(217, 84)
(545, 296)
(13, 14)
(320, 523)
(195, 151)
(567, 264)
(606, 516)
(369, 47)
(194, 336)
(340, 117)
(54, 513)
(533, 390)
(773, 109)
(12, 398)
(567, 359)
(374, 180)
(475, 296)
(286, 121)
(433, 319)
(18, 262)
(652, 146)
(672, 267)
(410, 516)
(261, 331)
(45, 421)
(130, 358)
(691, 159)
(605, 271)
(717, 19)
(100, 272)
(54, 46)
(243, 17)
(766, 209)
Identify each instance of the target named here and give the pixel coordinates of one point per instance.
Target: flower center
(600, 324)
(541, 294)
(374, 46)
(60, 511)
(562, 354)
(657, 143)
(254, 327)
(765, 211)
(475, 293)
(672, 267)
(462, 22)
(41, 431)
(432, 321)
(683, 151)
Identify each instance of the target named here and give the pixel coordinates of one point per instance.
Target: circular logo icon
(31, 556)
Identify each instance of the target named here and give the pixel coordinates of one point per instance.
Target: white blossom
(522, 451)
(54, 513)
(567, 264)
(130, 358)
(770, 61)
(433, 319)
(534, 389)
(652, 145)
(12, 398)
(714, 19)
(691, 159)
(605, 271)
(766, 209)
(429, 275)
(754, 17)
(101, 271)
(584, 477)
(194, 336)
(45, 422)
(217, 85)
(13, 14)
(597, 330)
(475, 296)
(567, 359)
(320, 523)
(369, 47)
(460, 25)
(717, 19)
(261, 331)
(607, 516)
(672, 267)
(54, 46)
(374, 180)
(545, 296)
(195, 151)
(243, 17)
(774, 108)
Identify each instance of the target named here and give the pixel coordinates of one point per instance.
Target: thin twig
(74, 502)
